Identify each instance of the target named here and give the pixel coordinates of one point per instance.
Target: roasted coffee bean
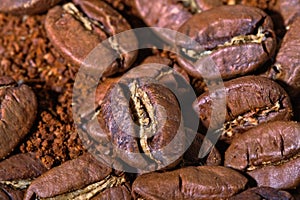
(119, 192)
(286, 69)
(167, 62)
(191, 156)
(171, 14)
(235, 40)
(288, 10)
(20, 167)
(269, 153)
(91, 22)
(28, 7)
(263, 193)
(250, 101)
(145, 120)
(204, 182)
(8, 193)
(16, 173)
(82, 177)
(18, 112)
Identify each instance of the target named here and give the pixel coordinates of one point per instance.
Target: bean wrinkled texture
(91, 110)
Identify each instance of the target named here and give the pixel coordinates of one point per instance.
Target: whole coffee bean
(82, 177)
(9, 193)
(20, 167)
(91, 22)
(286, 69)
(263, 193)
(26, 7)
(203, 182)
(191, 156)
(16, 174)
(18, 112)
(288, 10)
(269, 153)
(250, 101)
(145, 120)
(236, 39)
(171, 14)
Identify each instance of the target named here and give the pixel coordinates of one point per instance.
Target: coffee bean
(82, 177)
(286, 69)
(20, 167)
(269, 153)
(147, 125)
(91, 22)
(171, 14)
(191, 156)
(26, 7)
(288, 10)
(263, 193)
(16, 174)
(204, 182)
(235, 39)
(250, 101)
(18, 112)
(8, 193)
(119, 192)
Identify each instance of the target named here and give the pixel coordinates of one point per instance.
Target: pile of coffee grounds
(28, 57)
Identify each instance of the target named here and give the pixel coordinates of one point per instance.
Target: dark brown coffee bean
(191, 156)
(286, 69)
(204, 182)
(18, 112)
(171, 14)
(250, 101)
(16, 174)
(68, 177)
(147, 125)
(269, 153)
(120, 192)
(288, 10)
(234, 40)
(9, 193)
(21, 167)
(26, 7)
(91, 22)
(263, 193)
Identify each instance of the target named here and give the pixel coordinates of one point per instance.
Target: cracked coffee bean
(286, 69)
(204, 182)
(263, 193)
(26, 7)
(18, 112)
(244, 42)
(250, 101)
(80, 178)
(141, 124)
(270, 153)
(75, 29)
(171, 14)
